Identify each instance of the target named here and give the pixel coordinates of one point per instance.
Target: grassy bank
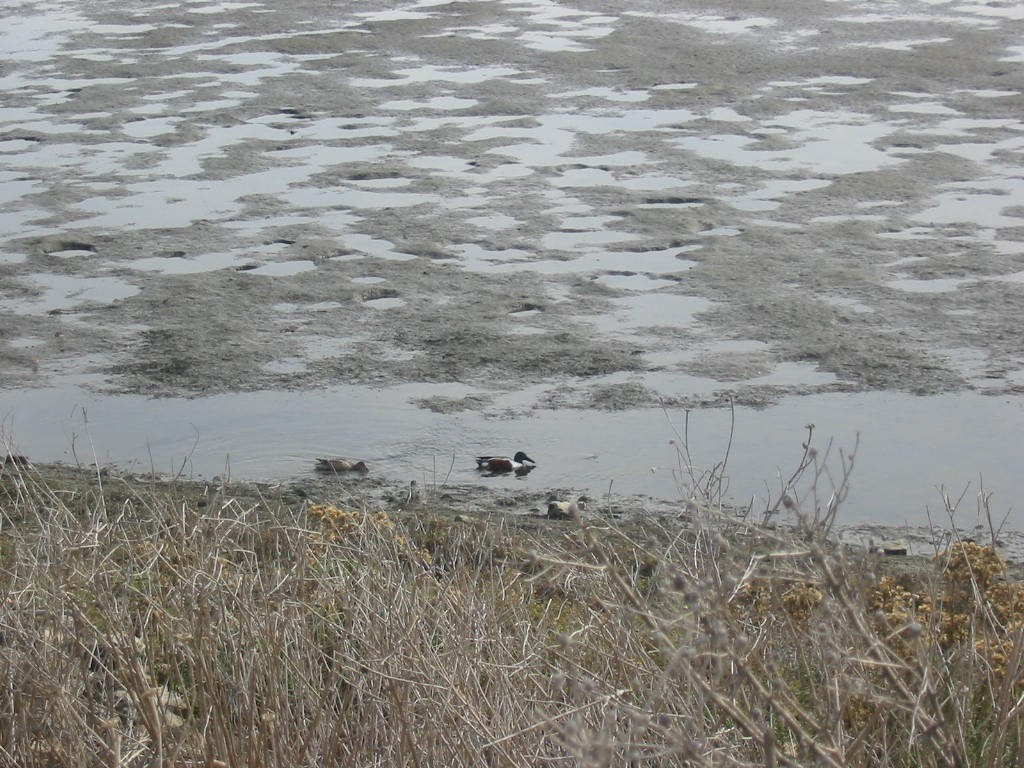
(189, 624)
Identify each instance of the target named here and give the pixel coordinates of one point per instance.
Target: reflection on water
(909, 446)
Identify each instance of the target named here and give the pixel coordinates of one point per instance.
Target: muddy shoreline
(513, 510)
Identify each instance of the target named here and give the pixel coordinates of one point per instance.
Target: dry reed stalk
(138, 629)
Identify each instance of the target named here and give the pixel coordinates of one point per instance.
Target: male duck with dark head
(496, 465)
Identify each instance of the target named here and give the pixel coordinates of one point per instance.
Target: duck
(341, 465)
(520, 464)
(565, 510)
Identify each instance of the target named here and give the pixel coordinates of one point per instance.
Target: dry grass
(150, 629)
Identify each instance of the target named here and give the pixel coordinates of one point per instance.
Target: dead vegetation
(179, 629)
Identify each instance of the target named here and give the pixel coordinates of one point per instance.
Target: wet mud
(603, 208)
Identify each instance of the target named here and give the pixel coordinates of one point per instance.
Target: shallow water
(908, 449)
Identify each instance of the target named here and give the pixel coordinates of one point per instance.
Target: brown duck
(341, 465)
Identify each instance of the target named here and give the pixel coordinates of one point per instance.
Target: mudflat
(239, 196)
